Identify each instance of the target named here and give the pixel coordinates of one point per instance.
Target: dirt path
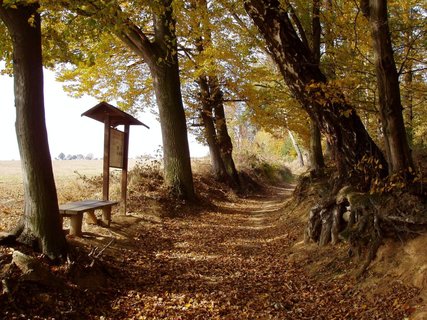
(236, 262)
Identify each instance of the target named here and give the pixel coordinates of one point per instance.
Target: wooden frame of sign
(116, 145)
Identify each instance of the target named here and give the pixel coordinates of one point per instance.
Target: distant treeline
(79, 156)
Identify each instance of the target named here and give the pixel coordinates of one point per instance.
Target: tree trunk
(409, 105)
(215, 99)
(41, 214)
(176, 155)
(399, 156)
(161, 57)
(206, 100)
(297, 149)
(330, 65)
(328, 38)
(217, 164)
(336, 119)
(408, 79)
(316, 156)
(224, 140)
(316, 31)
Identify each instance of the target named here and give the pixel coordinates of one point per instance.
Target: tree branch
(298, 24)
(128, 32)
(356, 38)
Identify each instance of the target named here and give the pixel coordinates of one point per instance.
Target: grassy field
(69, 183)
(74, 179)
(10, 171)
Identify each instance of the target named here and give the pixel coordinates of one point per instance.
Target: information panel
(117, 142)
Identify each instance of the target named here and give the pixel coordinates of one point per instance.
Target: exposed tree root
(364, 220)
(20, 235)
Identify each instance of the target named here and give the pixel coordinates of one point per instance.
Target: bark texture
(408, 78)
(336, 119)
(397, 148)
(178, 175)
(42, 225)
(224, 140)
(316, 156)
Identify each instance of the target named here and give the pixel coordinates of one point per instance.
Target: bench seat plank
(85, 205)
(75, 211)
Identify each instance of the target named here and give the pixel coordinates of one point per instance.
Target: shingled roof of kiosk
(117, 116)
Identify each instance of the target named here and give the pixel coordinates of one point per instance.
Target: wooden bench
(75, 210)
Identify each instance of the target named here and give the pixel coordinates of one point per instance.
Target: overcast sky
(69, 132)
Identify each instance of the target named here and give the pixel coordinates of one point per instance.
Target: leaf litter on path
(234, 262)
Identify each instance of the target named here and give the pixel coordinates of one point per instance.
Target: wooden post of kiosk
(116, 146)
(106, 158)
(125, 170)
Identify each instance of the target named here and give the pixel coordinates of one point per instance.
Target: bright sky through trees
(69, 132)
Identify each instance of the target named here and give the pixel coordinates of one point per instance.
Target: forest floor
(234, 258)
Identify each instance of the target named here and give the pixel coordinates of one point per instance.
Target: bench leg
(92, 217)
(106, 215)
(76, 225)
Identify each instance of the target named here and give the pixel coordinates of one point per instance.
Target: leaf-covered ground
(239, 259)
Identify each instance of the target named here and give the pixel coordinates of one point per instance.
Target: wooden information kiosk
(116, 144)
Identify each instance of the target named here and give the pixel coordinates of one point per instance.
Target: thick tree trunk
(336, 119)
(218, 168)
(41, 214)
(398, 152)
(167, 86)
(176, 155)
(408, 79)
(161, 57)
(329, 67)
(297, 149)
(409, 114)
(316, 156)
(316, 31)
(224, 140)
